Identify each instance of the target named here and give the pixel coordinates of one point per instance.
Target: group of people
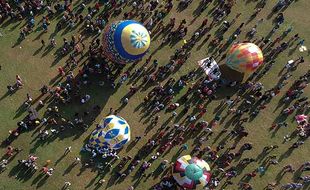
(100, 151)
(251, 99)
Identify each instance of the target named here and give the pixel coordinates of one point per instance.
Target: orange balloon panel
(245, 57)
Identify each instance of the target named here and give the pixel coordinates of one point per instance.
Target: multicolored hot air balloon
(125, 41)
(113, 132)
(191, 172)
(245, 57)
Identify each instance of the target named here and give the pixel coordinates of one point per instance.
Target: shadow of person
(42, 182)
(131, 145)
(60, 159)
(6, 95)
(279, 176)
(37, 179)
(37, 51)
(69, 168)
(286, 154)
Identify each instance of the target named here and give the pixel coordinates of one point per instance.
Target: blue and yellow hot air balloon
(125, 41)
(113, 132)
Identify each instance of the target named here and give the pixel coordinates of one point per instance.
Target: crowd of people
(251, 98)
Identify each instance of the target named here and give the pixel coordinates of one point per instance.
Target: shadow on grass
(21, 172)
(7, 94)
(69, 168)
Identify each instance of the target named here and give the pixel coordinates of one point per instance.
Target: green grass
(37, 70)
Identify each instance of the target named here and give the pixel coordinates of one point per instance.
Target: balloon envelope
(191, 172)
(125, 41)
(245, 57)
(113, 132)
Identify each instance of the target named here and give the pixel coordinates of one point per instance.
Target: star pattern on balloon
(138, 39)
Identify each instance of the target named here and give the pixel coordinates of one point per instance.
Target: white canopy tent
(210, 67)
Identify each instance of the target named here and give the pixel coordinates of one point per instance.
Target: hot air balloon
(191, 172)
(125, 41)
(245, 57)
(113, 132)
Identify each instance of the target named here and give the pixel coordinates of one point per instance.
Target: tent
(210, 67)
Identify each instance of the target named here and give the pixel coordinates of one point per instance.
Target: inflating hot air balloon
(125, 41)
(245, 57)
(113, 132)
(191, 172)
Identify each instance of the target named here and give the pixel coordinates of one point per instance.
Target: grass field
(37, 66)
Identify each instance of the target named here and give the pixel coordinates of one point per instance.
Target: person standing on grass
(301, 42)
(77, 160)
(19, 82)
(101, 181)
(67, 150)
(61, 71)
(53, 42)
(18, 78)
(43, 43)
(66, 185)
